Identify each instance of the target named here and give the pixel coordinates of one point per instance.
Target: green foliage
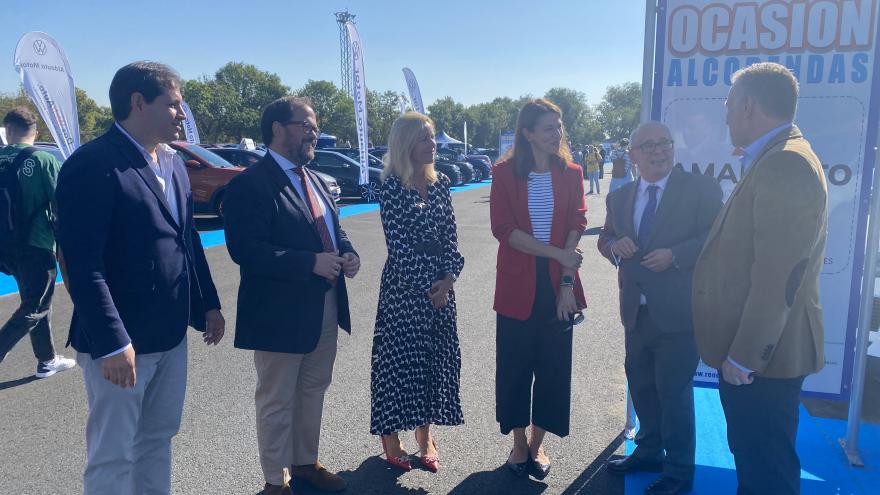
(620, 110)
(227, 107)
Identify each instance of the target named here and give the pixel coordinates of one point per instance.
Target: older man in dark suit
(137, 275)
(282, 228)
(654, 230)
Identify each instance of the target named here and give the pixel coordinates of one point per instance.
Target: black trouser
(660, 370)
(762, 423)
(533, 365)
(34, 270)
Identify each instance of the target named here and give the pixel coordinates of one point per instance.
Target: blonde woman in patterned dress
(416, 359)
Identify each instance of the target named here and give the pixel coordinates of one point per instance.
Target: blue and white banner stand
(830, 46)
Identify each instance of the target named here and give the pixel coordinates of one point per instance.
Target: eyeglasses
(568, 325)
(305, 124)
(651, 146)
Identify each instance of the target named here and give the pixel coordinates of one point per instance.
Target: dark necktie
(648, 217)
(317, 212)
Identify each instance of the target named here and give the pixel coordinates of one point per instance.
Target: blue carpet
(217, 237)
(824, 469)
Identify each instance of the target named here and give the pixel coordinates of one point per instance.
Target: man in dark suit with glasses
(654, 230)
(282, 229)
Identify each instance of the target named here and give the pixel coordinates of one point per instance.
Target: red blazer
(509, 210)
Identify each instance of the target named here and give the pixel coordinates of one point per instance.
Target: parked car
(481, 164)
(355, 154)
(346, 171)
(50, 148)
(246, 158)
(467, 170)
(209, 175)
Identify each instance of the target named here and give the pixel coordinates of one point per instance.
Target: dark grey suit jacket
(687, 209)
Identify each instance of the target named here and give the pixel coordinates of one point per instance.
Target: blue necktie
(648, 217)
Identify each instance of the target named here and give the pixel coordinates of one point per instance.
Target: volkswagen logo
(40, 47)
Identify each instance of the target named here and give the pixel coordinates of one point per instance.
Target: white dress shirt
(287, 166)
(641, 202)
(164, 171)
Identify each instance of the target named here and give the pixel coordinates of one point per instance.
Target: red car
(209, 174)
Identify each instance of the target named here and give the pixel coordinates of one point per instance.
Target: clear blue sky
(470, 50)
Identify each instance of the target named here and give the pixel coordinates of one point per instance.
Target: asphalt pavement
(42, 427)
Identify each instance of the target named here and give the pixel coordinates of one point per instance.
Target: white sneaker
(58, 363)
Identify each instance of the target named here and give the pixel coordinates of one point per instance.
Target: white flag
(359, 89)
(46, 77)
(415, 96)
(189, 126)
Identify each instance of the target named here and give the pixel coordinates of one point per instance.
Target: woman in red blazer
(538, 215)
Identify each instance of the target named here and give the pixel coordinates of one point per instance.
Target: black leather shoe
(632, 464)
(669, 486)
(537, 470)
(517, 468)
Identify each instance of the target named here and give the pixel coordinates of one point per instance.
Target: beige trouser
(290, 399)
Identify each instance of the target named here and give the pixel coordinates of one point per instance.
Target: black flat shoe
(537, 470)
(631, 464)
(669, 486)
(517, 468)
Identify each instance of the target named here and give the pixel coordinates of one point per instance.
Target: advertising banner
(47, 79)
(189, 125)
(830, 46)
(505, 142)
(415, 95)
(359, 89)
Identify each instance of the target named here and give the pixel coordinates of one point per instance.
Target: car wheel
(478, 175)
(370, 191)
(218, 203)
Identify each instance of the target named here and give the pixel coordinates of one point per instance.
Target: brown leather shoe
(319, 477)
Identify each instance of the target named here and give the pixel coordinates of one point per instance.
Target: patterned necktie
(317, 212)
(648, 217)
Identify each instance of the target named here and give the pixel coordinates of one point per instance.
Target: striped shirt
(541, 205)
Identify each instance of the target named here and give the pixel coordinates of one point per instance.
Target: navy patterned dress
(416, 359)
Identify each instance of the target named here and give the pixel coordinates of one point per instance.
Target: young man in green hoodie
(30, 256)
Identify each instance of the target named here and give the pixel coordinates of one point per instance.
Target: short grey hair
(651, 124)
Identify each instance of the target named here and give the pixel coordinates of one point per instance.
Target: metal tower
(344, 50)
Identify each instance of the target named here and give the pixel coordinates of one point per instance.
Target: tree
(94, 120)
(574, 111)
(382, 109)
(448, 115)
(486, 121)
(620, 110)
(334, 109)
(217, 110)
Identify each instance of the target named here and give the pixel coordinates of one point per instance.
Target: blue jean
(594, 179)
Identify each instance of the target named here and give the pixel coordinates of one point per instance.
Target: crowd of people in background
(734, 284)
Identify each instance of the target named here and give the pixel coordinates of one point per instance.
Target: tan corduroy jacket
(756, 282)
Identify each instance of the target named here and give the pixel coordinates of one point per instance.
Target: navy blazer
(137, 272)
(271, 235)
(684, 217)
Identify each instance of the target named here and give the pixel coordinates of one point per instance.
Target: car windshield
(209, 156)
(52, 151)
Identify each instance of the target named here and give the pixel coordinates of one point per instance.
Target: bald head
(651, 150)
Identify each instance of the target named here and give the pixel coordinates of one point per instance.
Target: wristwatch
(567, 281)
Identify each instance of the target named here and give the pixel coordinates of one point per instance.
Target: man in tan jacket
(757, 317)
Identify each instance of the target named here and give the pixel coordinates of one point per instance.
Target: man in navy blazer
(282, 229)
(138, 278)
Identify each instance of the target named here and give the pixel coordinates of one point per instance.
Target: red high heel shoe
(401, 462)
(430, 462)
